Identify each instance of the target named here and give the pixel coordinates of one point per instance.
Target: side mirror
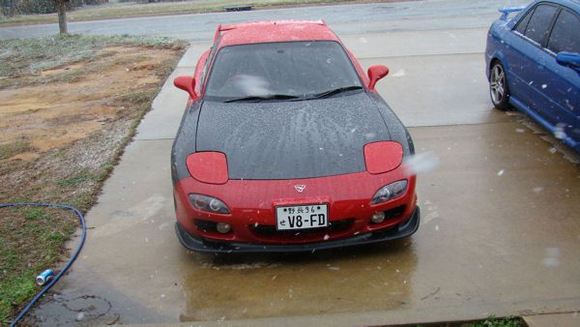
(187, 84)
(569, 59)
(376, 72)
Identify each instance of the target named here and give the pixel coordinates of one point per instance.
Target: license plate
(302, 217)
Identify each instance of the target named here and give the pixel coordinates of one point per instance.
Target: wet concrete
(490, 243)
(500, 232)
(437, 90)
(554, 320)
(266, 286)
(404, 43)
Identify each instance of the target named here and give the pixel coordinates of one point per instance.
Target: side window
(203, 74)
(210, 57)
(204, 71)
(566, 33)
(521, 28)
(539, 25)
(199, 73)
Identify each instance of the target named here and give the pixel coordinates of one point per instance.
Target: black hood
(291, 139)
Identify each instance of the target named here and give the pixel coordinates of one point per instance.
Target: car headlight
(208, 204)
(389, 192)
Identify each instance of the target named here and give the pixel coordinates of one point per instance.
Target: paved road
(500, 231)
(345, 19)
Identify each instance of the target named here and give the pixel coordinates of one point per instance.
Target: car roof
(273, 31)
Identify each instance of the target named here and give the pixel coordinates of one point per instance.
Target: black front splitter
(201, 245)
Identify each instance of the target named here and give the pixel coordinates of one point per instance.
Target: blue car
(533, 64)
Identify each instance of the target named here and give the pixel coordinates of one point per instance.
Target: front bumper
(402, 230)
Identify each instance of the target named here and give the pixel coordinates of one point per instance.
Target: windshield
(295, 69)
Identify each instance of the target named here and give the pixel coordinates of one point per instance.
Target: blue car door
(528, 58)
(514, 43)
(563, 82)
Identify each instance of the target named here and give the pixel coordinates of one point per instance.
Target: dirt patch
(65, 117)
(55, 115)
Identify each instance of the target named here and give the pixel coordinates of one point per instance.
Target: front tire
(498, 87)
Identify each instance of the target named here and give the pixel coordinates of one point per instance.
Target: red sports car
(285, 146)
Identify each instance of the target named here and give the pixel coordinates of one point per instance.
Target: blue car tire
(498, 87)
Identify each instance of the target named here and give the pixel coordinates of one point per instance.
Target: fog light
(378, 217)
(225, 227)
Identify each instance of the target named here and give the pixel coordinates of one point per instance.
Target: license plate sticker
(302, 217)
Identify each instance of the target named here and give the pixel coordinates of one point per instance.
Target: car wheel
(498, 88)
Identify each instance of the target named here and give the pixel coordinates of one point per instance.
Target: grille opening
(206, 225)
(395, 212)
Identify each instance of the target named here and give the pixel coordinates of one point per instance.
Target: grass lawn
(134, 9)
(68, 107)
(500, 322)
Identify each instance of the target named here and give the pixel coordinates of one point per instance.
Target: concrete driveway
(501, 213)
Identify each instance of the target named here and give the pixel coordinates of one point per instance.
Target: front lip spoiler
(200, 245)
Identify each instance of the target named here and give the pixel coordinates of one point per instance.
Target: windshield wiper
(332, 92)
(258, 98)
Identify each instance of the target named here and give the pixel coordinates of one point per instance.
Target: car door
(512, 44)
(562, 82)
(528, 59)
